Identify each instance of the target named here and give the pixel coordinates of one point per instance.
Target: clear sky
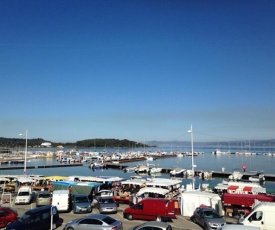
(138, 70)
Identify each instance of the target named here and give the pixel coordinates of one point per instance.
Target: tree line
(88, 143)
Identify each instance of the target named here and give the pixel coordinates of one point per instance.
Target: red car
(7, 215)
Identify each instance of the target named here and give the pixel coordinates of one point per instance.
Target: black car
(37, 218)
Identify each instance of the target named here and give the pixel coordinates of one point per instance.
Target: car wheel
(54, 226)
(130, 217)
(158, 218)
(70, 228)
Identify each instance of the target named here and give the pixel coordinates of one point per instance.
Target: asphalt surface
(181, 222)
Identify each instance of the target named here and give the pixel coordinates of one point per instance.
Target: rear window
(23, 194)
(109, 220)
(107, 201)
(44, 195)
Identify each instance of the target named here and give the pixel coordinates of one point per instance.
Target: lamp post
(26, 150)
(192, 155)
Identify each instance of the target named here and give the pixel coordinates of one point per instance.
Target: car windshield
(23, 194)
(15, 211)
(106, 201)
(25, 218)
(109, 220)
(211, 214)
(81, 199)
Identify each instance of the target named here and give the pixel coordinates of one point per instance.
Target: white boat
(180, 155)
(206, 175)
(190, 173)
(97, 165)
(153, 169)
(178, 172)
(142, 169)
(236, 175)
(149, 158)
(258, 177)
(130, 169)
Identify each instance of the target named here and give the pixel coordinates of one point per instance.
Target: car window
(139, 206)
(44, 195)
(108, 220)
(45, 215)
(81, 199)
(2, 214)
(211, 214)
(96, 222)
(25, 218)
(23, 194)
(107, 201)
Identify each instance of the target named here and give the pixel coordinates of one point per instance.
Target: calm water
(206, 161)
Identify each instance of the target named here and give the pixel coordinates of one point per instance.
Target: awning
(55, 178)
(247, 189)
(160, 191)
(232, 187)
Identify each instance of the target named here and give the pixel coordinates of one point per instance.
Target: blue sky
(137, 70)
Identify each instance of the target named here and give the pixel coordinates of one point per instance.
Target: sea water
(206, 162)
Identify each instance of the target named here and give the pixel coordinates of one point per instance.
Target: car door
(90, 223)
(3, 221)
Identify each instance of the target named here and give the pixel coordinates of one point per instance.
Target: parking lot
(179, 223)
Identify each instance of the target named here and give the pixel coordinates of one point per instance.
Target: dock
(121, 165)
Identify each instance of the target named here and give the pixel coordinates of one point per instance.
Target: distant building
(46, 144)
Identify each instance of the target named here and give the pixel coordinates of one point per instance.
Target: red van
(152, 209)
(7, 215)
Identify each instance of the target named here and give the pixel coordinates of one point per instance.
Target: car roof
(156, 224)
(40, 209)
(98, 216)
(207, 209)
(45, 191)
(6, 208)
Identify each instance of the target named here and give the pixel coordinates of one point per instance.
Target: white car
(24, 195)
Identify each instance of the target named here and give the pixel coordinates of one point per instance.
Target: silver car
(106, 204)
(43, 198)
(208, 218)
(153, 225)
(94, 221)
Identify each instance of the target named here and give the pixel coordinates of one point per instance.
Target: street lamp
(26, 150)
(192, 149)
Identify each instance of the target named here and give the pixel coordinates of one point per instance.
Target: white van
(24, 195)
(239, 227)
(61, 199)
(261, 216)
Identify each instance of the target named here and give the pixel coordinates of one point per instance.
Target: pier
(17, 165)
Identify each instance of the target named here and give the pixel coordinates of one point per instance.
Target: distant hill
(89, 143)
(255, 143)
(114, 143)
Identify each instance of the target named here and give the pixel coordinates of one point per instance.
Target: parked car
(94, 221)
(208, 218)
(37, 218)
(24, 195)
(62, 200)
(152, 225)
(151, 209)
(7, 215)
(81, 203)
(106, 204)
(43, 198)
